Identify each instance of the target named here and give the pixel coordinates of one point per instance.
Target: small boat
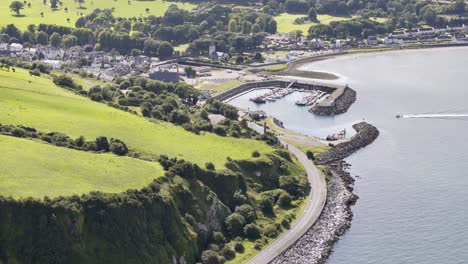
(258, 100)
(398, 116)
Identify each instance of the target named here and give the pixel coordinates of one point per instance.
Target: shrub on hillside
(210, 166)
(285, 200)
(239, 247)
(235, 224)
(118, 147)
(18, 132)
(252, 231)
(270, 231)
(228, 253)
(247, 212)
(266, 204)
(209, 257)
(102, 144)
(255, 154)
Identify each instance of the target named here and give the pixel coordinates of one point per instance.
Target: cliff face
(147, 226)
(170, 221)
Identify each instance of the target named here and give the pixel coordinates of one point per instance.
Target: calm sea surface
(413, 181)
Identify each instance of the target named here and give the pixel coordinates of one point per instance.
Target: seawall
(366, 134)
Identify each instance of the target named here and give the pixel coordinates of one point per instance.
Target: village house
(218, 56)
(444, 38)
(425, 31)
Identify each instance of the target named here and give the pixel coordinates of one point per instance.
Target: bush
(228, 253)
(220, 130)
(218, 238)
(289, 184)
(266, 204)
(146, 112)
(270, 231)
(310, 155)
(210, 166)
(18, 132)
(102, 144)
(118, 147)
(252, 231)
(239, 247)
(96, 97)
(247, 212)
(256, 154)
(285, 200)
(66, 81)
(235, 224)
(209, 257)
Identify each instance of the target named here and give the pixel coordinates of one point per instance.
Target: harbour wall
(339, 100)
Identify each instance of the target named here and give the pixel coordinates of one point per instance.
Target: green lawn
(59, 17)
(30, 168)
(286, 24)
(217, 87)
(38, 103)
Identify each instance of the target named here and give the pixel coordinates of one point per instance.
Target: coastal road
(304, 222)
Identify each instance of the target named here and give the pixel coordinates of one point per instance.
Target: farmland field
(286, 22)
(35, 169)
(38, 103)
(122, 8)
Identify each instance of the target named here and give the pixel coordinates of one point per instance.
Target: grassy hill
(286, 22)
(34, 169)
(32, 15)
(37, 102)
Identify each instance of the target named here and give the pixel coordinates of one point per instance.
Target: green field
(286, 24)
(36, 169)
(32, 15)
(38, 103)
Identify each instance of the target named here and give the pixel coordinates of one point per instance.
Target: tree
(42, 38)
(102, 144)
(53, 4)
(232, 26)
(430, 16)
(246, 27)
(258, 57)
(256, 28)
(190, 72)
(118, 147)
(165, 50)
(209, 257)
(252, 231)
(235, 224)
(16, 7)
(247, 212)
(285, 200)
(80, 2)
(312, 15)
(55, 39)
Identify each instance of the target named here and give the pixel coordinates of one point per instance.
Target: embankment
(366, 134)
(337, 103)
(316, 245)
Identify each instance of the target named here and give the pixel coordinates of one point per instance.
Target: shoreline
(294, 67)
(316, 245)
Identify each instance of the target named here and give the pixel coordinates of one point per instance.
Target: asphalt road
(304, 222)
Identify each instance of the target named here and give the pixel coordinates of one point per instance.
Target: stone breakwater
(316, 245)
(336, 104)
(366, 134)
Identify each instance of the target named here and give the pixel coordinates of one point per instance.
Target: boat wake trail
(461, 117)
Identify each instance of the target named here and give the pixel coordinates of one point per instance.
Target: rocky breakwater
(316, 245)
(366, 134)
(337, 103)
